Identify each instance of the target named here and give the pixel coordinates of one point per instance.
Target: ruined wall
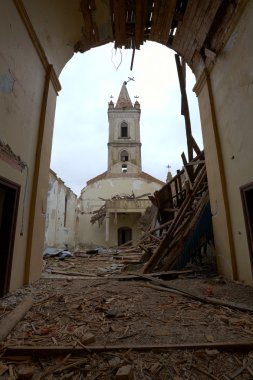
(60, 223)
(106, 188)
(29, 61)
(226, 115)
(19, 63)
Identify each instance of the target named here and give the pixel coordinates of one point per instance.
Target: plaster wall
(132, 118)
(58, 25)
(131, 168)
(21, 89)
(226, 118)
(232, 85)
(59, 231)
(89, 201)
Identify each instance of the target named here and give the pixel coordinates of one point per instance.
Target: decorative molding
(36, 43)
(7, 155)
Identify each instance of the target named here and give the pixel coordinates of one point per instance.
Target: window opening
(124, 156)
(124, 235)
(124, 168)
(124, 129)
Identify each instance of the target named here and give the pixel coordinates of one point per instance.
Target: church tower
(124, 146)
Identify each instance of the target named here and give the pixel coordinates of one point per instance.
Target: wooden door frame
(10, 239)
(248, 223)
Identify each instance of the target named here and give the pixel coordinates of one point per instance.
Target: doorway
(247, 201)
(124, 235)
(9, 196)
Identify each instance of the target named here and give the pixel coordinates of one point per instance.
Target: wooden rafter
(140, 21)
(119, 12)
(162, 19)
(194, 28)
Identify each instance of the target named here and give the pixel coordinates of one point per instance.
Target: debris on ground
(125, 320)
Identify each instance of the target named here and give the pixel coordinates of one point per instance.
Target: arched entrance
(214, 38)
(124, 235)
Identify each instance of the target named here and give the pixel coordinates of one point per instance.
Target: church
(110, 206)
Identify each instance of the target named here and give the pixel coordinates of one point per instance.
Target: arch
(124, 156)
(124, 235)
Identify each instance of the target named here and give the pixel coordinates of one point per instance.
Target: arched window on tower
(123, 129)
(124, 156)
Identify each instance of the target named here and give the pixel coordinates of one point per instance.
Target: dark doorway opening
(247, 201)
(124, 235)
(9, 195)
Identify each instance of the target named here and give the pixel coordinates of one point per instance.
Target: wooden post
(184, 105)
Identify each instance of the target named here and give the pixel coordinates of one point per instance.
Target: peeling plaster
(6, 83)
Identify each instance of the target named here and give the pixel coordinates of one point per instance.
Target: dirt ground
(86, 302)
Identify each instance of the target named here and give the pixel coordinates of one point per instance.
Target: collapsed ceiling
(195, 29)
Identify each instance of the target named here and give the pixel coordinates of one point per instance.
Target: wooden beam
(119, 22)
(195, 146)
(162, 19)
(11, 320)
(185, 107)
(140, 20)
(80, 351)
(163, 246)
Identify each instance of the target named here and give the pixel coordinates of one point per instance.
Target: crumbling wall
(60, 222)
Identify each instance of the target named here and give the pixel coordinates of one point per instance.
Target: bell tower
(124, 146)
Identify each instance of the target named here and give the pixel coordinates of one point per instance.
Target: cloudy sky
(81, 124)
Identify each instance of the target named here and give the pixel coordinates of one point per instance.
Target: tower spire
(124, 101)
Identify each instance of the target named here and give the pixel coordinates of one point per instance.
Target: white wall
(56, 233)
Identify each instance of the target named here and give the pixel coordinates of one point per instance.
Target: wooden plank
(119, 22)
(195, 146)
(173, 256)
(202, 27)
(11, 320)
(176, 222)
(140, 20)
(209, 300)
(186, 167)
(185, 107)
(167, 17)
(183, 33)
(198, 18)
(36, 351)
(162, 19)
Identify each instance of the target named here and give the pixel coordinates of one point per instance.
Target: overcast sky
(81, 123)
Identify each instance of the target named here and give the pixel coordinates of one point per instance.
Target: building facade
(120, 193)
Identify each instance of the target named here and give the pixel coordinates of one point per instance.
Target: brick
(125, 373)
(88, 338)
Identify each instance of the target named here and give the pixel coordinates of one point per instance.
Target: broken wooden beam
(185, 107)
(11, 320)
(163, 246)
(210, 300)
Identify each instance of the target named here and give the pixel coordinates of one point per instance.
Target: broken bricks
(125, 373)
